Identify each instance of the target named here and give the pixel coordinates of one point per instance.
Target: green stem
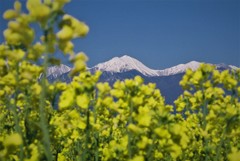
(96, 153)
(17, 126)
(96, 135)
(130, 133)
(150, 148)
(15, 113)
(87, 132)
(223, 139)
(218, 149)
(204, 111)
(43, 123)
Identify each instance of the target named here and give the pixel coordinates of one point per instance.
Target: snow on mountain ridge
(181, 68)
(58, 70)
(233, 67)
(125, 63)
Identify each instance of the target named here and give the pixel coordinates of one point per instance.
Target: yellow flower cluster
(209, 110)
(9, 145)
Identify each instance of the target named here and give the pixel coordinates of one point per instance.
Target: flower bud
(83, 101)
(65, 34)
(13, 140)
(12, 38)
(80, 29)
(14, 26)
(38, 10)
(66, 46)
(17, 6)
(10, 14)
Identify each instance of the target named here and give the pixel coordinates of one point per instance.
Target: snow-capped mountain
(181, 68)
(123, 64)
(233, 67)
(223, 66)
(56, 71)
(120, 68)
(127, 63)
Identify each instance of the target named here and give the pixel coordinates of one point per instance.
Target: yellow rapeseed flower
(10, 14)
(137, 158)
(234, 156)
(83, 101)
(65, 34)
(14, 139)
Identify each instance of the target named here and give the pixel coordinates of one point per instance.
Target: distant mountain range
(120, 68)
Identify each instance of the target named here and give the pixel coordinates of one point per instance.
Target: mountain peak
(180, 68)
(127, 63)
(193, 65)
(58, 70)
(193, 62)
(126, 57)
(123, 64)
(123, 58)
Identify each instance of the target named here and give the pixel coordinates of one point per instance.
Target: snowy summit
(181, 68)
(125, 63)
(56, 71)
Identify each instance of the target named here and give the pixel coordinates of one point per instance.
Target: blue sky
(159, 33)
